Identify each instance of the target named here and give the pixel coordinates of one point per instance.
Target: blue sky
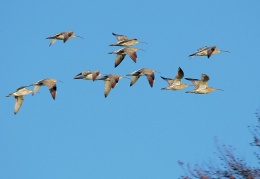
(138, 131)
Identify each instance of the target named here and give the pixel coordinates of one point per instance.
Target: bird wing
(82, 75)
(194, 81)
(205, 78)
(66, 37)
(51, 85)
(135, 73)
(95, 74)
(132, 55)
(107, 87)
(150, 78)
(114, 81)
(210, 50)
(53, 91)
(204, 81)
(133, 80)
(120, 37)
(202, 48)
(18, 103)
(119, 59)
(55, 35)
(169, 80)
(53, 41)
(179, 74)
(36, 88)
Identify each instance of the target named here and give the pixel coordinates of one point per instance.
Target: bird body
(110, 81)
(202, 90)
(49, 82)
(88, 75)
(149, 73)
(62, 36)
(121, 53)
(175, 83)
(207, 51)
(201, 86)
(18, 97)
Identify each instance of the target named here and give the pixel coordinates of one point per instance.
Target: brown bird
(207, 51)
(175, 83)
(18, 97)
(124, 41)
(49, 82)
(110, 81)
(62, 36)
(141, 72)
(88, 75)
(121, 53)
(201, 86)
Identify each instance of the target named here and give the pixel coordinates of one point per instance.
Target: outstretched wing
(194, 81)
(107, 87)
(18, 103)
(119, 59)
(55, 35)
(120, 37)
(132, 54)
(133, 80)
(150, 79)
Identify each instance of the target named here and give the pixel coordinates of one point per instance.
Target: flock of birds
(111, 80)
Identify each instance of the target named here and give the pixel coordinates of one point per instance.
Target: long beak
(79, 36)
(60, 81)
(126, 77)
(219, 89)
(157, 71)
(141, 49)
(224, 51)
(142, 42)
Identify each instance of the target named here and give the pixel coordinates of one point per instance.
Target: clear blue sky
(136, 132)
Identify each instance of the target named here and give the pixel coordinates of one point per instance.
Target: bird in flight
(49, 82)
(88, 75)
(121, 53)
(176, 82)
(62, 36)
(18, 97)
(149, 73)
(124, 41)
(201, 86)
(110, 81)
(207, 51)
